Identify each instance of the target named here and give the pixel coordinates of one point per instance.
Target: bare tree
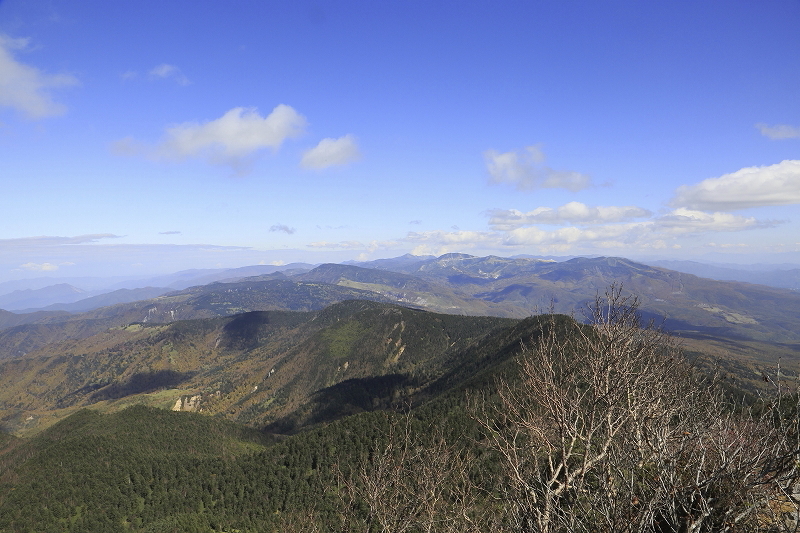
(606, 428)
(609, 429)
(412, 483)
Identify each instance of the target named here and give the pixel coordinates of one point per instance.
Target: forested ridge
(546, 425)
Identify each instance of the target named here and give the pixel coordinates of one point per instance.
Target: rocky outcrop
(188, 403)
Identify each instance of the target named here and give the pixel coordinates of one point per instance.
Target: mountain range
(276, 348)
(249, 403)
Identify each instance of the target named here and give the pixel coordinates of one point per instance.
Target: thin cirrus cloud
(46, 240)
(343, 245)
(165, 71)
(26, 88)
(525, 169)
(570, 213)
(770, 185)
(330, 152)
(682, 221)
(778, 131)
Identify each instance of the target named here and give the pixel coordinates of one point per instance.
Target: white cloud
(779, 131)
(727, 245)
(25, 88)
(343, 245)
(594, 232)
(164, 71)
(442, 242)
(771, 185)
(39, 267)
(526, 171)
(684, 220)
(237, 134)
(611, 235)
(331, 152)
(570, 213)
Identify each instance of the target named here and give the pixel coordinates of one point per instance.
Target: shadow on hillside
(241, 333)
(343, 399)
(140, 383)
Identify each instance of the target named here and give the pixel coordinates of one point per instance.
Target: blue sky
(151, 136)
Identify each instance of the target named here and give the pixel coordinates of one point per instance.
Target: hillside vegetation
(262, 367)
(542, 425)
(265, 350)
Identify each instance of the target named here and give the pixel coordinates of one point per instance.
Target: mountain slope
(437, 295)
(256, 367)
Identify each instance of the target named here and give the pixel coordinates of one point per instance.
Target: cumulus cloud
(172, 72)
(331, 152)
(779, 131)
(26, 88)
(282, 227)
(230, 139)
(560, 240)
(239, 132)
(439, 242)
(770, 185)
(526, 170)
(589, 231)
(570, 213)
(607, 236)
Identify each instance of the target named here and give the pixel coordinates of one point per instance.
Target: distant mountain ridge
(106, 299)
(288, 351)
(785, 278)
(519, 287)
(86, 293)
(452, 283)
(35, 298)
(205, 301)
